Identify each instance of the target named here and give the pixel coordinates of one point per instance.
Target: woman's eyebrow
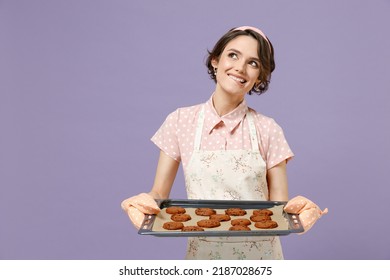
(240, 53)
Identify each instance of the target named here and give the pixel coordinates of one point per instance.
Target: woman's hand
(137, 206)
(308, 211)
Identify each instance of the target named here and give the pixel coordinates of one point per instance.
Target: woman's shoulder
(261, 119)
(188, 112)
(184, 114)
(266, 126)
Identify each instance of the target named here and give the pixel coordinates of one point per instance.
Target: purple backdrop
(85, 84)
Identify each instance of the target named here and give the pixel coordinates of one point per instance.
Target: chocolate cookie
(240, 222)
(220, 217)
(208, 223)
(205, 211)
(239, 228)
(235, 212)
(261, 218)
(173, 225)
(266, 224)
(180, 217)
(175, 210)
(260, 212)
(192, 228)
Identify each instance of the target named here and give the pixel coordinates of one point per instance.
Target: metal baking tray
(287, 223)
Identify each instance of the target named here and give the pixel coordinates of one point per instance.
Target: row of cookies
(260, 217)
(178, 216)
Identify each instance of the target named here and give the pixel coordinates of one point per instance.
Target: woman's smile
(237, 79)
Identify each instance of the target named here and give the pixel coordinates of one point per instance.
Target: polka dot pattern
(230, 132)
(308, 211)
(137, 206)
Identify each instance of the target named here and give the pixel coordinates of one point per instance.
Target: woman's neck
(225, 103)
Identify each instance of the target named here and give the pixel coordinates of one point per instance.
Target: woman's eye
(233, 55)
(254, 64)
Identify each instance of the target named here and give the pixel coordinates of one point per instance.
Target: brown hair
(265, 52)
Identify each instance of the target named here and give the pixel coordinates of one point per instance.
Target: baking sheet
(287, 223)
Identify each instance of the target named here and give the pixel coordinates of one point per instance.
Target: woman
(228, 151)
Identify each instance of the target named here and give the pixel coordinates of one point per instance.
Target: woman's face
(238, 67)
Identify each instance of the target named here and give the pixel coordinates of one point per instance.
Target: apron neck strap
(252, 131)
(199, 129)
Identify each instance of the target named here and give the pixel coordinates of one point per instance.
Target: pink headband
(256, 30)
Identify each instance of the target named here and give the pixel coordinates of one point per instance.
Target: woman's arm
(137, 206)
(165, 176)
(277, 182)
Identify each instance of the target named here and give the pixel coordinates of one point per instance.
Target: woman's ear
(214, 63)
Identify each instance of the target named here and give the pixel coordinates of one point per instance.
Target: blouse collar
(231, 120)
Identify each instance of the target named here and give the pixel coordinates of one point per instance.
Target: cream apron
(229, 175)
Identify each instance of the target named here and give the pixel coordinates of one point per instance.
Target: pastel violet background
(85, 84)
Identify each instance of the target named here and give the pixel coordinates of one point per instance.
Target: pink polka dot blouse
(230, 132)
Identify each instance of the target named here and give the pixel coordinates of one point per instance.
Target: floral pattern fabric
(230, 175)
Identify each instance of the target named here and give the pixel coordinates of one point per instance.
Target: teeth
(237, 79)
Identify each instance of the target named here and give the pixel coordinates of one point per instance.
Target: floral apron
(229, 175)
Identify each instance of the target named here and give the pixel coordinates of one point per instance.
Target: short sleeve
(276, 148)
(166, 137)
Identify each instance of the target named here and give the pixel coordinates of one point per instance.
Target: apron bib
(229, 175)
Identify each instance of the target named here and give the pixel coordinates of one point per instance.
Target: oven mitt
(308, 211)
(137, 206)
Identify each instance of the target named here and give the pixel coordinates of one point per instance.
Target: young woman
(228, 150)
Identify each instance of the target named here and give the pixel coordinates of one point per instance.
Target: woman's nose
(240, 66)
